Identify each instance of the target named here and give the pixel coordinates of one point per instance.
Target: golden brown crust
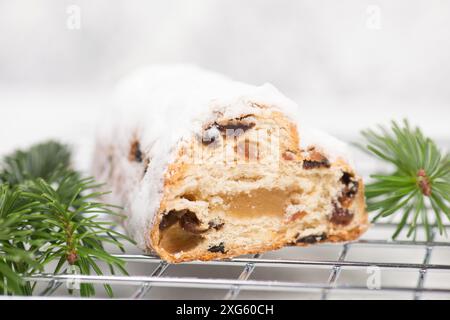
(343, 236)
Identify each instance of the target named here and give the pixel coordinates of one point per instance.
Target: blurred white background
(349, 64)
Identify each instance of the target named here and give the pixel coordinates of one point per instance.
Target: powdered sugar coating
(165, 106)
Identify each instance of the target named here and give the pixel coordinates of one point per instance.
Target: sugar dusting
(164, 106)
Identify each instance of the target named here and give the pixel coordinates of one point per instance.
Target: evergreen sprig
(39, 161)
(421, 178)
(16, 221)
(48, 213)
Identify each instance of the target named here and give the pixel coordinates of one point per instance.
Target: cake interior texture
(246, 186)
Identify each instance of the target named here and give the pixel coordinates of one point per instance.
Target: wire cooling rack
(372, 267)
(367, 268)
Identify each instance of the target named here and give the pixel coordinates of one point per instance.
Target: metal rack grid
(406, 269)
(139, 286)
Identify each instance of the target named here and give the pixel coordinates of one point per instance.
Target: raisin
(351, 187)
(218, 248)
(168, 220)
(346, 178)
(310, 164)
(234, 127)
(186, 218)
(190, 222)
(135, 152)
(312, 238)
(341, 215)
(315, 160)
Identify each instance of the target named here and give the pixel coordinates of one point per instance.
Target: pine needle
(49, 213)
(421, 179)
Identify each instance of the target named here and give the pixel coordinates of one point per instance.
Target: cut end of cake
(263, 195)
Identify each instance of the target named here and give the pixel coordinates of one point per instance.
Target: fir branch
(16, 220)
(39, 161)
(421, 178)
(52, 216)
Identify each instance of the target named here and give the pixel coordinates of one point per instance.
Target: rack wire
(374, 266)
(160, 277)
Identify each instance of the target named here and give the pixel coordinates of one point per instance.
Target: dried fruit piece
(135, 152)
(312, 238)
(351, 184)
(186, 219)
(341, 215)
(168, 220)
(190, 223)
(218, 248)
(231, 127)
(308, 164)
(234, 127)
(351, 187)
(315, 160)
(346, 178)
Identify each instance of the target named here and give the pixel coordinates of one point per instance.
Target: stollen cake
(209, 168)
